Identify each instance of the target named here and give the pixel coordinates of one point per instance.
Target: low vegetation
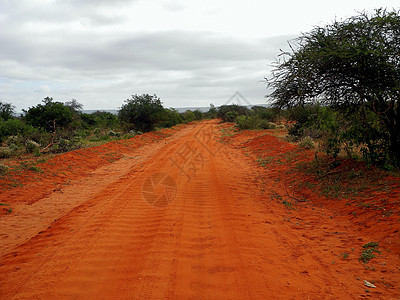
(369, 251)
(337, 92)
(56, 127)
(340, 83)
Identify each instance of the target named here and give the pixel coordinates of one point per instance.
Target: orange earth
(195, 212)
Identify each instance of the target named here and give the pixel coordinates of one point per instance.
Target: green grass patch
(338, 180)
(265, 161)
(344, 255)
(369, 252)
(3, 170)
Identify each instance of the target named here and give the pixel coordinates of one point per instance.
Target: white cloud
(187, 52)
(43, 89)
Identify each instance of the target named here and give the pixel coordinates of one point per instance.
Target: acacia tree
(349, 64)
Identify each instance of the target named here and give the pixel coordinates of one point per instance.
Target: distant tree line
(339, 85)
(58, 127)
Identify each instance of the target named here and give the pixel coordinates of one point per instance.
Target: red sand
(217, 229)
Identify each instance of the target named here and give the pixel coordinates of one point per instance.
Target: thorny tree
(349, 64)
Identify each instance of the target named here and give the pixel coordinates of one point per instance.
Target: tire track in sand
(215, 240)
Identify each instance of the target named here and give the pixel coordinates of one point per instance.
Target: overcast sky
(189, 53)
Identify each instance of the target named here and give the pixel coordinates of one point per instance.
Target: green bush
(31, 146)
(97, 131)
(99, 138)
(83, 133)
(338, 130)
(14, 140)
(353, 67)
(198, 115)
(252, 122)
(229, 113)
(128, 135)
(14, 127)
(243, 122)
(170, 117)
(40, 137)
(230, 116)
(5, 152)
(265, 113)
(13, 147)
(113, 133)
(307, 143)
(65, 142)
(49, 116)
(188, 116)
(145, 112)
(368, 253)
(211, 113)
(315, 121)
(3, 169)
(101, 119)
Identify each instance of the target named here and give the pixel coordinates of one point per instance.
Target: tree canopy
(228, 113)
(349, 64)
(49, 115)
(6, 111)
(144, 112)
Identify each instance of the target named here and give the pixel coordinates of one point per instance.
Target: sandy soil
(190, 214)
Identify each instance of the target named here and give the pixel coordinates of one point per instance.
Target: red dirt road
(184, 217)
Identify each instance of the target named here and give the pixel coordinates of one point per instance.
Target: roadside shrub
(315, 121)
(14, 140)
(99, 138)
(368, 253)
(187, 116)
(229, 113)
(13, 148)
(211, 113)
(231, 116)
(367, 133)
(3, 169)
(5, 152)
(97, 131)
(252, 122)
(355, 130)
(40, 137)
(31, 146)
(50, 115)
(145, 112)
(266, 113)
(63, 145)
(101, 119)
(307, 143)
(127, 136)
(243, 122)
(264, 124)
(171, 117)
(66, 142)
(113, 133)
(198, 115)
(14, 127)
(83, 133)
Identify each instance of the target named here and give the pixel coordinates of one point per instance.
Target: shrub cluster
(258, 117)
(355, 132)
(53, 126)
